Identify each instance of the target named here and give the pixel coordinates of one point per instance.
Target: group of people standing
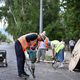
(42, 42)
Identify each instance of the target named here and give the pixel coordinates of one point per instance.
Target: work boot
(22, 76)
(26, 74)
(34, 76)
(37, 61)
(61, 65)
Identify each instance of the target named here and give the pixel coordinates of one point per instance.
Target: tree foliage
(72, 18)
(2, 37)
(23, 17)
(51, 21)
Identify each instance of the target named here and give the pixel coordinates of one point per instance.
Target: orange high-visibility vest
(46, 42)
(24, 43)
(39, 43)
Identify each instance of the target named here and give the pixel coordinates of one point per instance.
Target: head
(41, 37)
(62, 39)
(44, 32)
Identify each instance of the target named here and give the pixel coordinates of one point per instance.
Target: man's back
(71, 42)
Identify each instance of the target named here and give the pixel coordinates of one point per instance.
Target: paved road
(44, 71)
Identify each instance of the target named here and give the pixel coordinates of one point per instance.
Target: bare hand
(52, 57)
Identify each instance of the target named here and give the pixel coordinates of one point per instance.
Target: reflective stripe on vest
(39, 43)
(33, 42)
(25, 44)
(46, 42)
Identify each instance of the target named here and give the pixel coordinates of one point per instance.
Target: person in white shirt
(41, 50)
(71, 44)
(62, 41)
(46, 40)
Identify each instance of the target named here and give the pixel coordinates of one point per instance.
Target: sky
(2, 3)
(3, 31)
(3, 25)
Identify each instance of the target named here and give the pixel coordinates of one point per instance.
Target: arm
(53, 53)
(31, 37)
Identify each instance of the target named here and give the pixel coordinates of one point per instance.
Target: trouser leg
(20, 57)
(39, 54)
(61, 55)
(43, 54)
(72, 47)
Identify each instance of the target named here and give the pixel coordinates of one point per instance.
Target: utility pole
(41, 16)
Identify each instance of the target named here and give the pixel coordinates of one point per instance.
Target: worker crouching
(58, 51)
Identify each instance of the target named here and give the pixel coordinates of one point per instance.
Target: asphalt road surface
(44, 71)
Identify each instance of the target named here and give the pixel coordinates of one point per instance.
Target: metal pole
(40, 28)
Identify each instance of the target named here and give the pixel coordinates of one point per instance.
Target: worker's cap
(44, 32)
(49, 43)
(43, 36)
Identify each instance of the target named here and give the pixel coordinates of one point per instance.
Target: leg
(33, 69)
(20, 57)
(72, 47)
(61, 57)
(39, 54)
(43, 54)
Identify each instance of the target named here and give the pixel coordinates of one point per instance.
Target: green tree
(52, 22)
(2, 37)
(72, 18)
(23, 17)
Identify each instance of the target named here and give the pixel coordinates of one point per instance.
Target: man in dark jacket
(21, 45)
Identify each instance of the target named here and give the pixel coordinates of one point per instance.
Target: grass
(48, 58)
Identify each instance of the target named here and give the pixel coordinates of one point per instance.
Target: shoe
(34, 76)
(61, 65)
(26, 74)
(22, 76)
(53, 62)
(37, 61)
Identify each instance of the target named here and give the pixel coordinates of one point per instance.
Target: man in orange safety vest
(21, 45)
(42, 47)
